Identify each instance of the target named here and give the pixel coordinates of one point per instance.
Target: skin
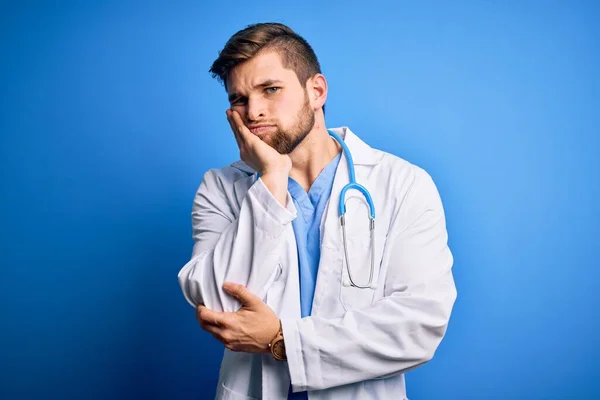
(279, 127)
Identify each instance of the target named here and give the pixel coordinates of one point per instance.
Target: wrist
(279, 173)
(277, 184)
(281, 167)
(272, 335)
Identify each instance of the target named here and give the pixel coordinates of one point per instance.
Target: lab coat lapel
(331, 233)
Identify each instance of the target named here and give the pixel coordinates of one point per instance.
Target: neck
(312, 155)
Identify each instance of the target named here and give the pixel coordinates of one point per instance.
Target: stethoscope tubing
(342, 212)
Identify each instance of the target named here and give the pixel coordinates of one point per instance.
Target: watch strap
(277, 345)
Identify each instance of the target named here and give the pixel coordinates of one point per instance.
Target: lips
(260, 130)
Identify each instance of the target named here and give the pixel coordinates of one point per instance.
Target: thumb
(241, 293)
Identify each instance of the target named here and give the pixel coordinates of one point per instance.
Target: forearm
(247, 252)
(392, 336)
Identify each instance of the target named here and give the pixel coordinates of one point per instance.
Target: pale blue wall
(109, 118)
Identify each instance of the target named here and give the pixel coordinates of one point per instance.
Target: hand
(251, 329)
(256, 153)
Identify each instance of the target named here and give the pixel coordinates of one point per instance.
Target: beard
(285, 141)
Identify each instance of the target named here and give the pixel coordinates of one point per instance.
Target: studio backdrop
(109, 120)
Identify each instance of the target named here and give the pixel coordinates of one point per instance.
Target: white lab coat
(358, 343)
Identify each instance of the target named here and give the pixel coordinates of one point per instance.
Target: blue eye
(272, 90)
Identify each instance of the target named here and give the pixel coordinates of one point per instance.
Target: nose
(255, 109)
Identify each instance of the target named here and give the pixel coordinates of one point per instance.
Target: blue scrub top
(307, 229)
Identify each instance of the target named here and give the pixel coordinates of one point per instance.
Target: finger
(199, 311)
(236, 135)
(216, 332)
(211, 328)
(234, 129)
(216, 318)
(242, 129)
(241, 293)
(201, 317)
(206, 324)
(220, 333)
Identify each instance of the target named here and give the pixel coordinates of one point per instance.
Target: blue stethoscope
(342, 211)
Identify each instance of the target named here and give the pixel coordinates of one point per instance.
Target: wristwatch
(277, 346)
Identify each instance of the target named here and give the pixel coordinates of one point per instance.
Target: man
(304, 308)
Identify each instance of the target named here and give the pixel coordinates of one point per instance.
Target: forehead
(261, 68)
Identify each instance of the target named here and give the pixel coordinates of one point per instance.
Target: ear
(317, 91)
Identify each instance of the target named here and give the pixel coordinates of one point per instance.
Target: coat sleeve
(240, 248)
(400, 331)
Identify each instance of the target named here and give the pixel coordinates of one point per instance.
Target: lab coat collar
(362, 153)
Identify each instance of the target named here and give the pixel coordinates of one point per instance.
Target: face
(271, 101)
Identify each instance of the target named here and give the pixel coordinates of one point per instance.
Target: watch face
(279, 350)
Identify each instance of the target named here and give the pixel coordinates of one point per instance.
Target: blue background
(109, 118)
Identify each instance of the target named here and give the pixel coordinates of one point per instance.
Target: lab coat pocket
(359, 253)
(224, 393)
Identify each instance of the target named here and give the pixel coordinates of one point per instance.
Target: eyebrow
(268, 82)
